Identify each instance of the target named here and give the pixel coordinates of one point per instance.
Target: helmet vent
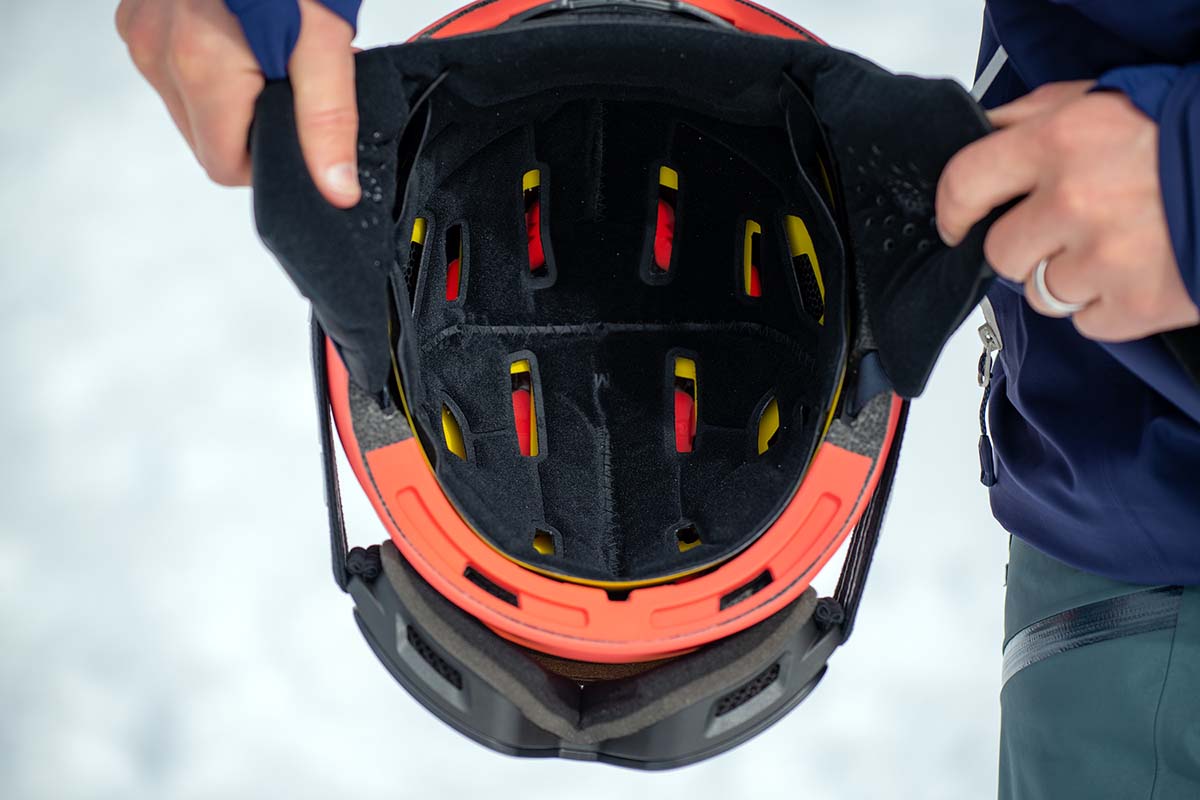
(454, 259)
(687, 537)
(416, 249)
(524, 407)
(452, 433)
(686, 401)
(808, 269)
(431, 657)
(747, 691)
(747, 590)
(491, 587)
(768, 425)
(543, 542)
(664, 228)
(531, 191)
(751, 258)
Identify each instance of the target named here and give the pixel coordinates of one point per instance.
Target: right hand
(194, 54)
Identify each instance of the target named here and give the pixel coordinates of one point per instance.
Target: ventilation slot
(748, 589)
(768, 425)
(416, 249)
(543, 542)
(531, 190)
(435, 661)
(687, 537)
(452, 433)
(488, 585)
(747, 691)
(751, 255)
(454, 252)
(664, 227)
(686, 404)
(524, 407)
(808, 269)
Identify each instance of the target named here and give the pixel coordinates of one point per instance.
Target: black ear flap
(339, 259)
(891, 137)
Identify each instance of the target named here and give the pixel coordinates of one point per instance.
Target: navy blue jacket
(1098, 445)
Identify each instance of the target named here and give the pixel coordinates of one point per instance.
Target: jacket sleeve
(272, 27)
(1170, 95)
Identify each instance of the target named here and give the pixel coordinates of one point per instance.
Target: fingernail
(342, 179)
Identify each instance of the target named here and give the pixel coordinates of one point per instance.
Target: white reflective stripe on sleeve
(988, 76)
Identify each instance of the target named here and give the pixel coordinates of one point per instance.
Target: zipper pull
(989, 334)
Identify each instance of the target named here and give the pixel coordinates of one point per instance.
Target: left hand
(1088, 164)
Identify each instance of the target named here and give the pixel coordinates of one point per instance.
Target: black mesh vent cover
(435, 661)
(747, 691)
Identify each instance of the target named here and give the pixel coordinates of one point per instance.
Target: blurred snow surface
(168, 626)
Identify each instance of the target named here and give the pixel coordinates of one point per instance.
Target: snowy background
(168, 624)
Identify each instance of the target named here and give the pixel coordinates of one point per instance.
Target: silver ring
(1049, 300)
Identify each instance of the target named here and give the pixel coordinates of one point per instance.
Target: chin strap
(848, 594)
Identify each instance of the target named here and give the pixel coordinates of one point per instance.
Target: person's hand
(195, 56)
(1089, 165)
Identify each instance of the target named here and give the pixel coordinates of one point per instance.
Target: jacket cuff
(273, 26)
(1170, 95)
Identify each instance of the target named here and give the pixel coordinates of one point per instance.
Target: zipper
(989, 334)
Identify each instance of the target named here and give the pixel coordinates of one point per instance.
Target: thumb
(322, 73)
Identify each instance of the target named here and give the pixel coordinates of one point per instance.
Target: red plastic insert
(664, 235)
(453, 270)
(685, 421)
(533, 227)
(754, 289)
(522, 403)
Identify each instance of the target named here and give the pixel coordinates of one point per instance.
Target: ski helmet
(619, 343)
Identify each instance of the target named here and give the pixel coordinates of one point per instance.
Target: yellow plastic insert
(521, 367)
(543, 542)
(752, 229)
(531, 180)
(668, 178)
(452, 433)
(801, 244)
(418, 231)
(687, 538)
(768, 425)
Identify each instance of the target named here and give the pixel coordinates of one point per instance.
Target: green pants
(1111, 719)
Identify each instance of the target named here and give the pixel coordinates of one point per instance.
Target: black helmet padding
(448, 129)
